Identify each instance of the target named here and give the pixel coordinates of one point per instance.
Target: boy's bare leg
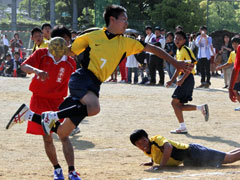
(177, 106)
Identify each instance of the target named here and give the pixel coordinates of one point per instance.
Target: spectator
(16, 44)
(171, 49)
(123, 70)
(17, 72)
(148, 39)
(5, 45)
(225, 52)
(132, 66)
(8, 66)
(155, 62)
(204, 43)
(194, 48)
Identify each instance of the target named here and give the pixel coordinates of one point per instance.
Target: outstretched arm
(180, 65)
(167, 151)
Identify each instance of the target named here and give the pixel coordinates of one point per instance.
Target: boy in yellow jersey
(37, 38)
(46, 29)
(164, 152)
(185, 85)
(103, 50)
(235, 42)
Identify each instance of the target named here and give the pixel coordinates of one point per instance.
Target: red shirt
(237, 61)
(56, 86)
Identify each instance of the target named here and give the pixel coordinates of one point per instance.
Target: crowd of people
(147, 65)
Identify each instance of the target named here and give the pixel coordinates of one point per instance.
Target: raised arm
(180, 65)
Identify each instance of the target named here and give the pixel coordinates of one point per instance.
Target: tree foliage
(191, 14)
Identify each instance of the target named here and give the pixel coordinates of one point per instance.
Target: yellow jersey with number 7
(104, 51)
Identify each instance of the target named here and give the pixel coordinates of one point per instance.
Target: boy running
(103, 50)
(185, 85)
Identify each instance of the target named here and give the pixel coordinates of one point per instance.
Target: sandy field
(103, 150)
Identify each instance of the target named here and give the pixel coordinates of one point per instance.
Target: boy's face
(179, 41)
(148, 31)
(157, 33)
(235, 45)
(46, 31)
(16, 56)
(121, 23)
(143, 144)
(169, 38)
(37, 38)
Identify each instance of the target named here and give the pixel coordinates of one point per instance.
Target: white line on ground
(195, 175)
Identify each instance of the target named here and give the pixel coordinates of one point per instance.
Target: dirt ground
(103, 150)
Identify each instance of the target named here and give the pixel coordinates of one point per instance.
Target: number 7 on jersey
(103, 62)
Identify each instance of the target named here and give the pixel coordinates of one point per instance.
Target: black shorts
(82, 81)
(199, 155)
(185, 91)
(237, 86)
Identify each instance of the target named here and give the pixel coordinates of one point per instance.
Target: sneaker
(179, 131)
(58, 174)
(73, 175)
(205, 112)
(48, 121)
(75, 131)
(201, 86)
(237, 109)
(19, 116)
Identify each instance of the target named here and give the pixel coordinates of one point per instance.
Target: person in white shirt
(5, 45)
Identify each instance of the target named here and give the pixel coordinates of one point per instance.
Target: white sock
(29, 115)
(199, 107)
(182, 126)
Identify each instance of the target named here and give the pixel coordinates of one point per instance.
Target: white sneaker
(179, 131)
(75, 131)
(48, 121)
(19, 116)
(205, 112)
(237, 109)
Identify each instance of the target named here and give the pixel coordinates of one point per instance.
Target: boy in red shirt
(49, 87)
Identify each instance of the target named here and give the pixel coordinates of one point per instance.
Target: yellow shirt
(44, 44)
(156, 153)
(182, 54)
(104, 53)
(232, 57)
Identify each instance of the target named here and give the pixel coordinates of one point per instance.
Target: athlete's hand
(154, 168)
(232, 95)
(147, 164)
(186, 67)
(42, 75)
(168, 84)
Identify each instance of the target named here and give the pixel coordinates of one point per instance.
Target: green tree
(223, 15)
(170, 13)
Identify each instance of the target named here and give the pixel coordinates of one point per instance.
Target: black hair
(181, 33)
(137, 134)
(46, 25)
(112, 10)
(36, 29)
(60, 31)
(179, 27)
(235, 39)
(170, 34)
(16, 53)
(148, 27)
(203, 27)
